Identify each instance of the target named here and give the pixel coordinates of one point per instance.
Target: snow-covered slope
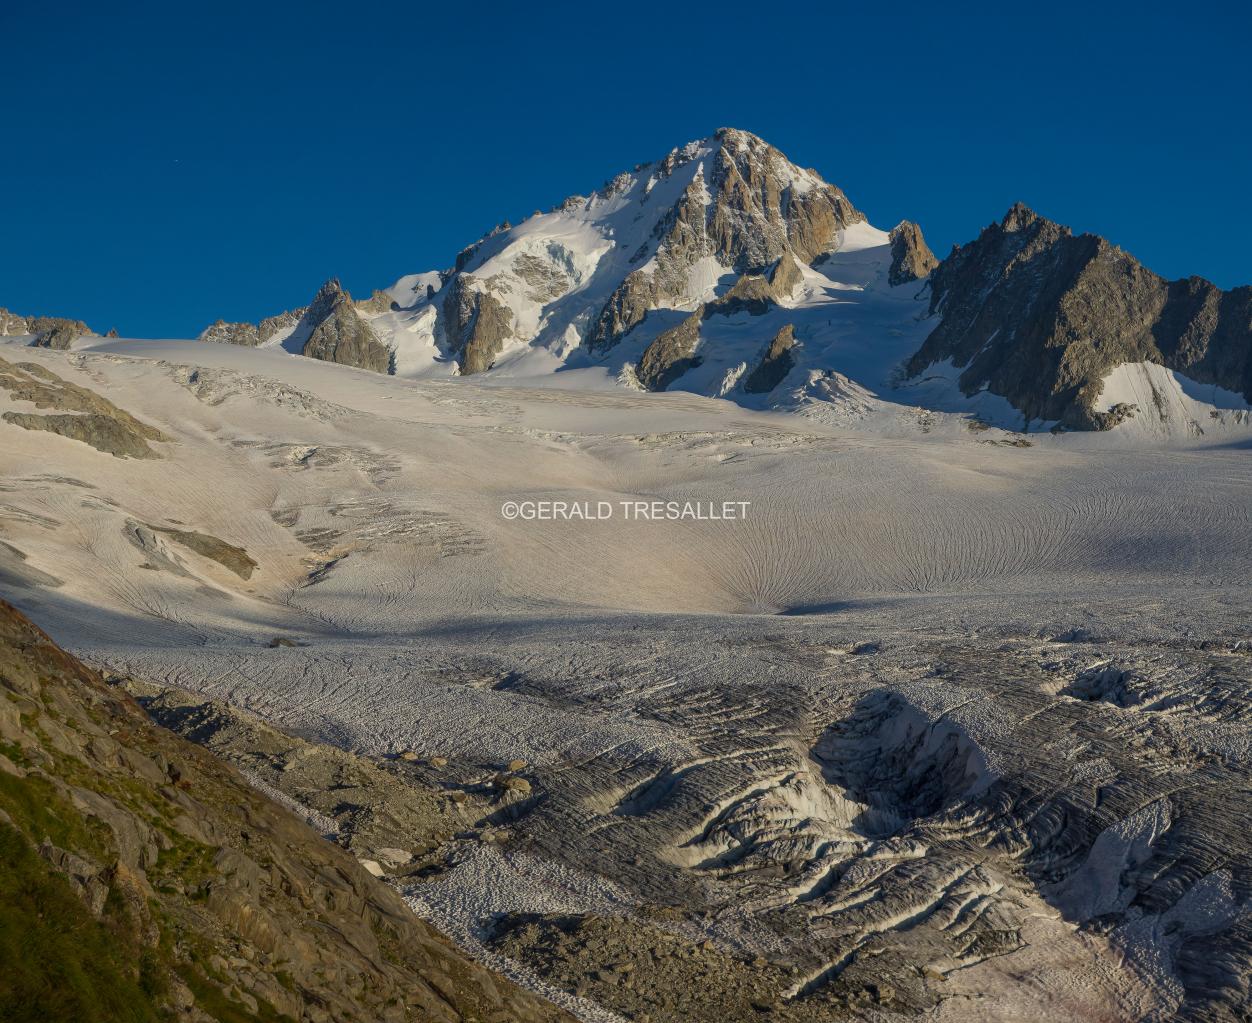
(587, 287)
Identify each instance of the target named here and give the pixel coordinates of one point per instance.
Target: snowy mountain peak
(671, 234)
(718, 268)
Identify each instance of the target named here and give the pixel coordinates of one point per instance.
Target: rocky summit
(1042, 316)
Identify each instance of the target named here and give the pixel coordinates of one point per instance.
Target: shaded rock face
(149, 868)
(1040, 316)
(671, 354)
(250, 334)
(48, 331)
(775, 364)
(756, 293)
(911, 258)
(332, 329)
(624, 310)
(750, 294)
(77, 413)
(476, 324)
(338, 334)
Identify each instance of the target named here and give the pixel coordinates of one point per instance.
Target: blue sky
(168, 164)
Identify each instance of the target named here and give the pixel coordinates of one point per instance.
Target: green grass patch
(211, 997)
(39, 810)
(60, 963)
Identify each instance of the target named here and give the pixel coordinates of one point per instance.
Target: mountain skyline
(245, 179)
(727, 270)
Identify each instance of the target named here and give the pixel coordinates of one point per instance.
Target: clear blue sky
(167, 164)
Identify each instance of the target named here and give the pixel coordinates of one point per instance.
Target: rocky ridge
(331, 328)
(45, 331)
(1041, 316)
(250, 334)
(337, 333)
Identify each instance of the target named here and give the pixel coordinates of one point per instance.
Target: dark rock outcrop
(476, 323)
(1040, 316)
(236, 559)
(332, 327)
(101, 432)
(169, 888)
(775, 364)
(78, 413)
(624, 310)
(338, 334)
(671, 354)
(756, 293)
(751, 294)
(911, 258)
(46, 331)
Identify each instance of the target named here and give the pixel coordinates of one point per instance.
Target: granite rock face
(671, 354)
(751, 294)
(755, 217)
(625, 309)
(476, 324)
(742, 212)
(784, 276)
(378, 302)
(755, 294)
(332, 328)
(911, 258)
(1040, 316)
(338, 334)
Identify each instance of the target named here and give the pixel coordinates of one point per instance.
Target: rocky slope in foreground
(143, 879)
(1041, 316)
